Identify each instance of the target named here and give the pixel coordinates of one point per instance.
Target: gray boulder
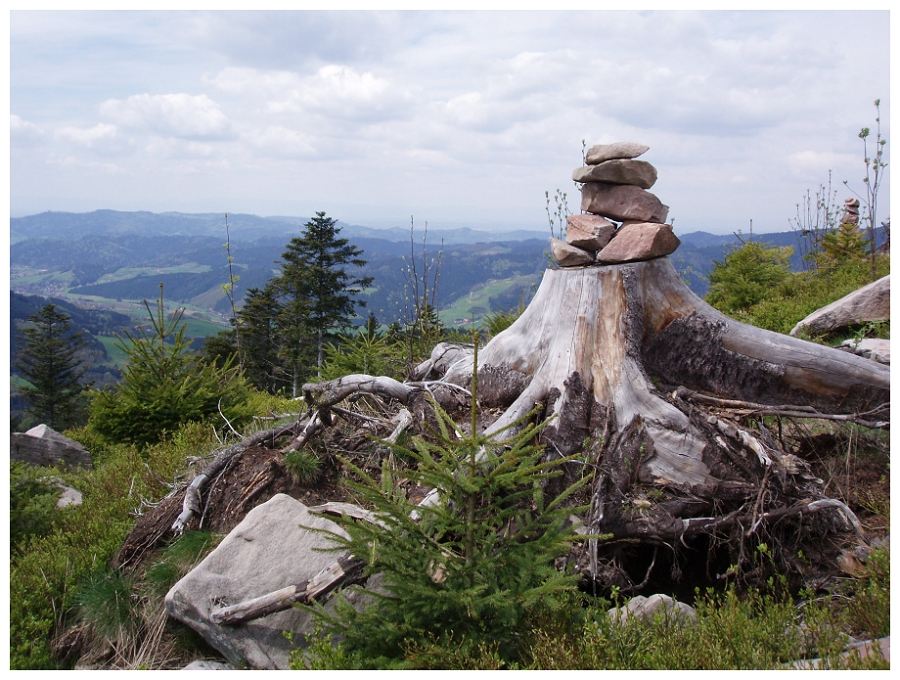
(637, 173)
(869, 303)
(68, 497)
(622, 202)
(876, 349)
(606, 152)
(589, 232)
(276, 545)
(207, 665)
(42, 445)
(568, 255)
(648, 608)
(639, 241)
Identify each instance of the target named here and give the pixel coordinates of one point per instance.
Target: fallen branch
(746, 408)
(344, 571)
(403, 419)
(329, 393)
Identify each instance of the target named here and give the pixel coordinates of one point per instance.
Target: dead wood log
(193, 493)
(343, 571)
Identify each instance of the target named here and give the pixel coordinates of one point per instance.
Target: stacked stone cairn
(614, 189)
(851, 211)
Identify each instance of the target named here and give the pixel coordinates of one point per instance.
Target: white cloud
(179, 115)
(810, 163)
(88, 136)
(281, 142)
(24, 131)
(333, 91)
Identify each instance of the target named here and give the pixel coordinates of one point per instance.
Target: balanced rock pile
(614, 189)
(851, 211)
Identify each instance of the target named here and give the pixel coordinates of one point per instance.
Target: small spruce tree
(748, 275)
(50, 364)
(477, 565)
(165, 385)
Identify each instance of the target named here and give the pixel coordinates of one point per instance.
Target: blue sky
(457, 118)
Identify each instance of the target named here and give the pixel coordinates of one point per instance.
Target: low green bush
(32, 504)
(45, 576)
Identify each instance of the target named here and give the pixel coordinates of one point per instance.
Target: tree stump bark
(620, 350)
(635, 371)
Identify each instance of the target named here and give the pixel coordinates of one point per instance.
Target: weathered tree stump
(630, 352)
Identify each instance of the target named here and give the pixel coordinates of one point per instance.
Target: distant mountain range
(242, 227)
(112, 260)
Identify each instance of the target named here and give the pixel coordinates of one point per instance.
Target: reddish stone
(590, 232)
(622, 202)
(639, 241)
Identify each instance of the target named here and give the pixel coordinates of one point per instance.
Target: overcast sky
(457, 118)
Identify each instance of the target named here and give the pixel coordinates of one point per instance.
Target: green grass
(202, 328)
(470, 305)
(117, 356)
(126, 273)
(28, 276)
(209, 298)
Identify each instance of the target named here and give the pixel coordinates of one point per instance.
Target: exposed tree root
(628, 357)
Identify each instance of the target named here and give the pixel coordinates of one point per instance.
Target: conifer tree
(846, 243)
(258, 326)
(50, 364)
(322, 293)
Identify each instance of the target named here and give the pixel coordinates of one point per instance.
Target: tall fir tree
(322, 295)
(258, 326)
(49, 362)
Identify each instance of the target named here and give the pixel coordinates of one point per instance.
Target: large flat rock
(869, 303)
(42, 445)
(273, 547)
(622, 202)
(635, 242)
(589, 232)
(637, 173)
(606, 152)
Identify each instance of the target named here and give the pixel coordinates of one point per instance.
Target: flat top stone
(619, 171)
(605, 152)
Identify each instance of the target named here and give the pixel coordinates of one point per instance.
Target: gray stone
(869, 303)
(648, 608)
(207, 665)
(568, 255)
(862, 650)
(68, 497)
(607, 152)
(876, 349)
(622, 202)
(42, 445)
(274, 546)
(636, 173)
(589, 232)
(637, 241)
